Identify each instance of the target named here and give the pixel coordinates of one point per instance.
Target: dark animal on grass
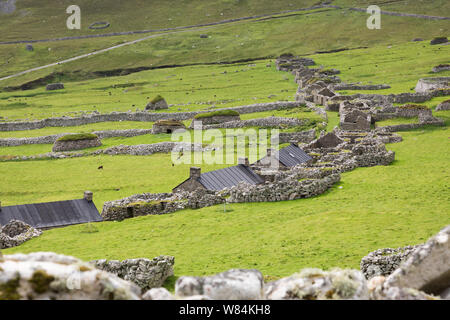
(100, 168)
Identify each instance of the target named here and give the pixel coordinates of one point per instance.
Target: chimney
(243, 161)
(88, 195)
(195, 172)
(269, 152)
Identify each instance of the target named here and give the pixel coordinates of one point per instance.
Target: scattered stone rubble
(15, 233)
(145, 273)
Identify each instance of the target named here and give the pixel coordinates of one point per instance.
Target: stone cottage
(323, 96)
(167, 126)
(220, 179)
(355, 120)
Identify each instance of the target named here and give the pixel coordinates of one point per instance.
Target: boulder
(443, 106)
(145, 273)
(158, 103)
(315, 284)
(55, 86)
(158, 294)
(235, 284)
(428, 268)
(439, 40)
(29, 47)
(50, 276)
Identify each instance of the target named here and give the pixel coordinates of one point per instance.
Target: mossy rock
(156, 99)
(220, 113)
(78, 137)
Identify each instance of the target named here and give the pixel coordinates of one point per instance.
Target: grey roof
(52, 214)
(292, 155)
(229, 177)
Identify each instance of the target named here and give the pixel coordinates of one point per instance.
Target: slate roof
(52, 214)
(289, 156)
(292, 155)
(229, 177)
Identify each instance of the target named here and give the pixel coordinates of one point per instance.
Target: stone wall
(427, 84)
(135, 116)
(12, 142)
(384, 262)
(352, 86)
(145, 273)
(15, 233)
(215, 120)
(63, 145)
(269, 122)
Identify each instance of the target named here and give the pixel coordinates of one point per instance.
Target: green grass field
(392, 206)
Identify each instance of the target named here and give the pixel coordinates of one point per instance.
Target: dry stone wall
(15, 233)
(145, 273)
(135, 116)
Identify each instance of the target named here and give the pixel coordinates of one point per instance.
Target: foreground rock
(49, 276)
(15, 233)
(145, 273)
(235, 284)
(428, 268)
(315, 284)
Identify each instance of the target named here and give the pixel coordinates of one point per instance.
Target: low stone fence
(269, 122)
(135, 116)
(383, 262)
(145, 273)
(352, 86)
(12, 142)
(301, 136)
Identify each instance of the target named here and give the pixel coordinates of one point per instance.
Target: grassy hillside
(302, 33)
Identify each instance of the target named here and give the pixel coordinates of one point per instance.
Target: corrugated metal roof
(52, 214)
(292, 155)
(229, 177)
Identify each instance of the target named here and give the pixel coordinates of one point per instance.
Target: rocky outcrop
(157, 104)
(54, 86)
(441, 67)
(15, 233)
(235, 284)
(315, 284)
(439, 40)
(145, 273)
(443, 106)
(50, 276)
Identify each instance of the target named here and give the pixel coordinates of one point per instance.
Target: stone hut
(167, 126)
(54, 86)
(157, 103)
(79, 141)
(220, 179)
(323, 96)
(355, 120)
(215, 117)
(330, 140)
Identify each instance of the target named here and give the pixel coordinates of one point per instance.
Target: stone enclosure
(76, 142)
